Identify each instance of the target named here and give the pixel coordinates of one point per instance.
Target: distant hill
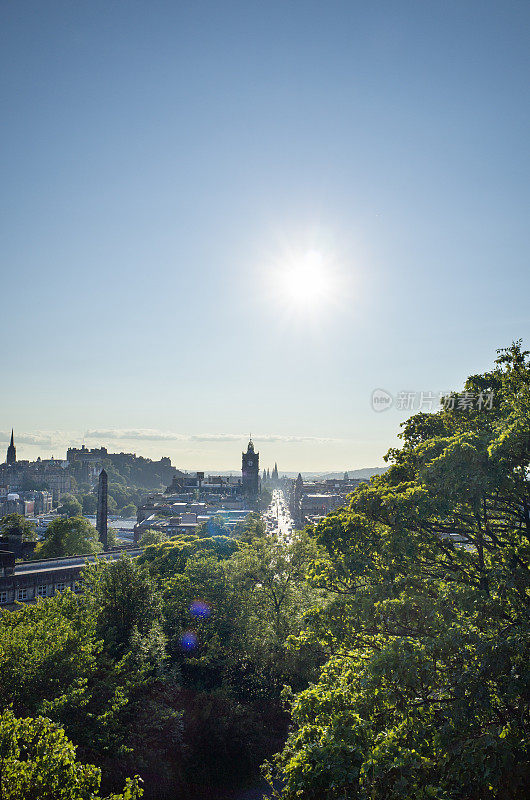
(366, 472)
(133, 470)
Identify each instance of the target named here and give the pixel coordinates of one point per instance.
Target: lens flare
(188, 641)
(200, 609)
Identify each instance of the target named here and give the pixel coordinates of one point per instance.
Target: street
(277, 517)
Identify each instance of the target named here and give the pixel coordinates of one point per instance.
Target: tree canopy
(70, 506)
(69, 536)
(18, 527)
(38, 761)
(425, 693)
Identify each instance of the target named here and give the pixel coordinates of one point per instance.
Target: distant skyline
(194, 451)
(224, 218)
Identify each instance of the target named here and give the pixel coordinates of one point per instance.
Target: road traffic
(277, 517)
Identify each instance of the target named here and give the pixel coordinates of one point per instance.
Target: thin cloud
(257, 438)
(154, 435)
(35, 439)
(141, 435)
(216, 437)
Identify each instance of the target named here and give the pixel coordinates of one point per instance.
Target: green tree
(275, 573)
(204, 580)
(168, 558)
(17, 527)
(90, 503)
(427, 575)
(128, 511)
(214, 526)
(53, 663)
(45, 649)
(123, 495)
(70, 507)
(69, 536)
(152, 536)
(251, 527)
(38, 761)
(127, 600)
(270, 598)
(120, 493)
(112, 537)
(112, 506)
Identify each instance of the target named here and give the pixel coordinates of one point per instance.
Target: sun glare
(306, 281)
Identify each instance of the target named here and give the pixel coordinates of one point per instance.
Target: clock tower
(250, 471)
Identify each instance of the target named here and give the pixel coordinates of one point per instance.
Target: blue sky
(163, 163)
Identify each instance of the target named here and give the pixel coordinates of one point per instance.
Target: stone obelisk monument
(101, 518)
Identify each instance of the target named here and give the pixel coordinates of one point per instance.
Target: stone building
(34, 580)
(86, 464)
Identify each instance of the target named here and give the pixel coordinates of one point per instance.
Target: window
(22, 594)
(3, 597)
(42, 591)
(60, 587)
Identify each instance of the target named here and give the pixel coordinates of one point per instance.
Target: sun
(305, 281)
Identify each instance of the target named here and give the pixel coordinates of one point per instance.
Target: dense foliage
(169, 666)
(130, 479)
(69, 536)
(17, 528)
(396, 633)
(426, 690)
(128, 469)
(70, 506)
(38, 762)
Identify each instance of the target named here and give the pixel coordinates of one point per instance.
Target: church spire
(11, 450)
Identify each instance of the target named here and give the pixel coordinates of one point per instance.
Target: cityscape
(38, 491)
(265, 400)
(190, 502)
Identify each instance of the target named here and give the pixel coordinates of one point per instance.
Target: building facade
(312, 500)
(34, 580)
(86, 464)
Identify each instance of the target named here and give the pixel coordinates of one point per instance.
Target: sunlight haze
(223, 218)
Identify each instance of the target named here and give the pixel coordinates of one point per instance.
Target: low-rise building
(310, 501)
(29, 504)
(34, 580)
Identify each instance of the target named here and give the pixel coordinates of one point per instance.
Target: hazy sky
(169, 168)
